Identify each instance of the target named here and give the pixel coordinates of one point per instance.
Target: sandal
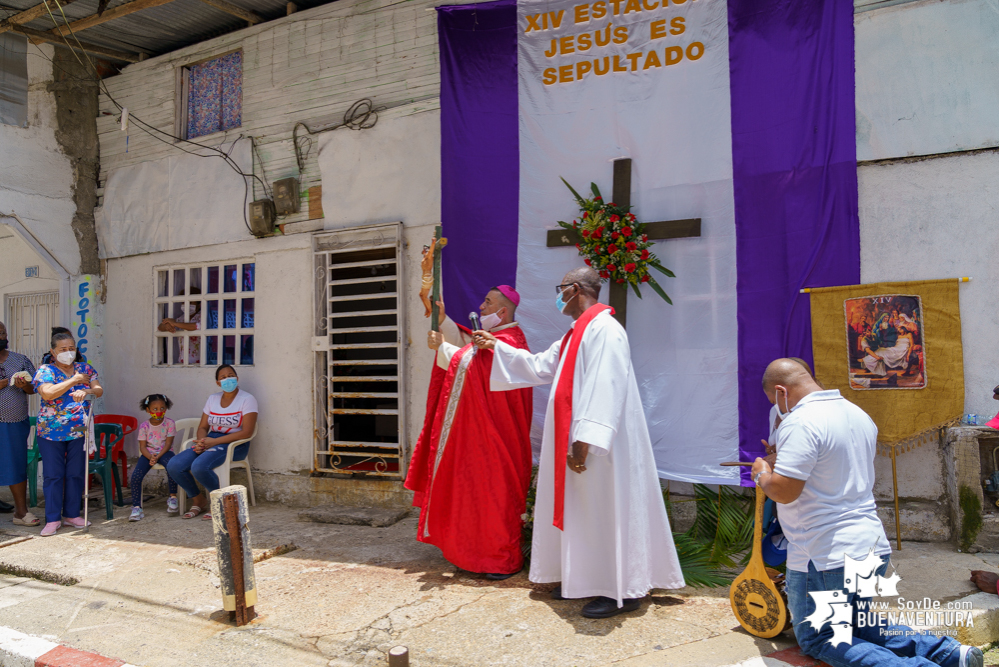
(207, 516)
(193, 512)
(28, 519)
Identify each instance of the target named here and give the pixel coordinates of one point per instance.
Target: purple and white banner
(738, 113)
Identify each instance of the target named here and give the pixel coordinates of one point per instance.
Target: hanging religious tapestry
(885, 342)
(898, 336)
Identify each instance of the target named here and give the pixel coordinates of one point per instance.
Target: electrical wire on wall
(361, 115)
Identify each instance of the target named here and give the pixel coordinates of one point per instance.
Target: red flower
(614, 235)
(631, 216)
(587, 262)
(631, 246)
(630, 268)
(575, 224)
(604, 274)
(645, 238)
(596, 249)
(620, 280)
(614, 218)
(645, 254)
(612, 204)
(645, 279)
(627, 231)
(611, 267)
(600, 231)
(585, 234)
(577, 246)
(612, 249)
(599, 197)
(585, 215)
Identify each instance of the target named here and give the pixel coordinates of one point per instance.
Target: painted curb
(20, 650)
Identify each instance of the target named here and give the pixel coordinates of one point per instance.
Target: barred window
(204, 314)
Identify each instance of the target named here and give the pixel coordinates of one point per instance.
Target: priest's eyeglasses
(559, 288)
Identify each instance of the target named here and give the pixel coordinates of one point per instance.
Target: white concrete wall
(927, 85)
(308, 67)
(36, 177)
(15, 256)
(926, 78)
(281, 378)
(937, 219)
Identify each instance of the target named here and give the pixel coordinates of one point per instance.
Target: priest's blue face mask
(229, 385)
(560, 303)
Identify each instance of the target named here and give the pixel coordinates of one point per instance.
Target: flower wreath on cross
(614, 243)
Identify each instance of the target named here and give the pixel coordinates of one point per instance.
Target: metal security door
(360, 412)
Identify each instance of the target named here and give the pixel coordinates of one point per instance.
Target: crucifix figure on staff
(472, 464)
(600, 526)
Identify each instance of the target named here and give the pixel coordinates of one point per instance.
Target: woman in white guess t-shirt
(229, 415)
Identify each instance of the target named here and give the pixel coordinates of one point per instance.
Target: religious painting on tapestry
(885, 342)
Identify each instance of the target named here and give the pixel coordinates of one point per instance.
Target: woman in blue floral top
(62, 385)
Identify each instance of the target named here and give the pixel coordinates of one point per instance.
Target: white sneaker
(137, 514)
(172, 506)
(971, 656)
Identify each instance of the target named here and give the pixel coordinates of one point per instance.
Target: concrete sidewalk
(147, 593)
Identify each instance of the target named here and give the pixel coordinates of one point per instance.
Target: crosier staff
(430, 288)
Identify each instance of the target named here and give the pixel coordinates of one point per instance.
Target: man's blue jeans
(876, 646)
(188, 468)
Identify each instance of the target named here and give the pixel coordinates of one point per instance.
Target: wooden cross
(661, 230)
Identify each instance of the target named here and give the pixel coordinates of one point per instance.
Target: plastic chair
(187, 429)
(102, 465)
(128, 425)
(223, 470)
(34, 456)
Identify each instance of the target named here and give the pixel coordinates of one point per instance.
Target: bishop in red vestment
(472, 464)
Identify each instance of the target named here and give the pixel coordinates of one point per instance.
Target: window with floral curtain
(215, 95)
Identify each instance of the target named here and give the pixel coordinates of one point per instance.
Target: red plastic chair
(128, 425)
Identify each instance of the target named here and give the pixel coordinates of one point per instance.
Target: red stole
(563, 403)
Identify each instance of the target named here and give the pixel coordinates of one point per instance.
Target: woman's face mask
(66, 358)
(229, 385)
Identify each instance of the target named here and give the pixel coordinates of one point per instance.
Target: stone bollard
(230, 518)
(398, 656)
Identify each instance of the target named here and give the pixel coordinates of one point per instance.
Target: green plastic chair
(34, 456)
(100, 464)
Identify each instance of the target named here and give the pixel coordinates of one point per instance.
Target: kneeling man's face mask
(777, 393)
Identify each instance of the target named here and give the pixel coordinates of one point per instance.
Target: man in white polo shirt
(823, 482)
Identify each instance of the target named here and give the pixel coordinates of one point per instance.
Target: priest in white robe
(600, 525)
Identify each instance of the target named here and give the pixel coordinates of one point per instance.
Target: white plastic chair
(186, 430)
(223, 470)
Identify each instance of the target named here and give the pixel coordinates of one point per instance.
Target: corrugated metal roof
(154, 30)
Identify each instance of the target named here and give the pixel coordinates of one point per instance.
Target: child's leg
(164, 460)
(138, 474)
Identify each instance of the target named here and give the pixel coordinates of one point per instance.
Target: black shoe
(557, 593)
(500, 577)
(602, 607)
(6, 508)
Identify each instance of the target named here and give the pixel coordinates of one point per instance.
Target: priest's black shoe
(602, 607)
(500, 577)
(6, 508)
(557, 593)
